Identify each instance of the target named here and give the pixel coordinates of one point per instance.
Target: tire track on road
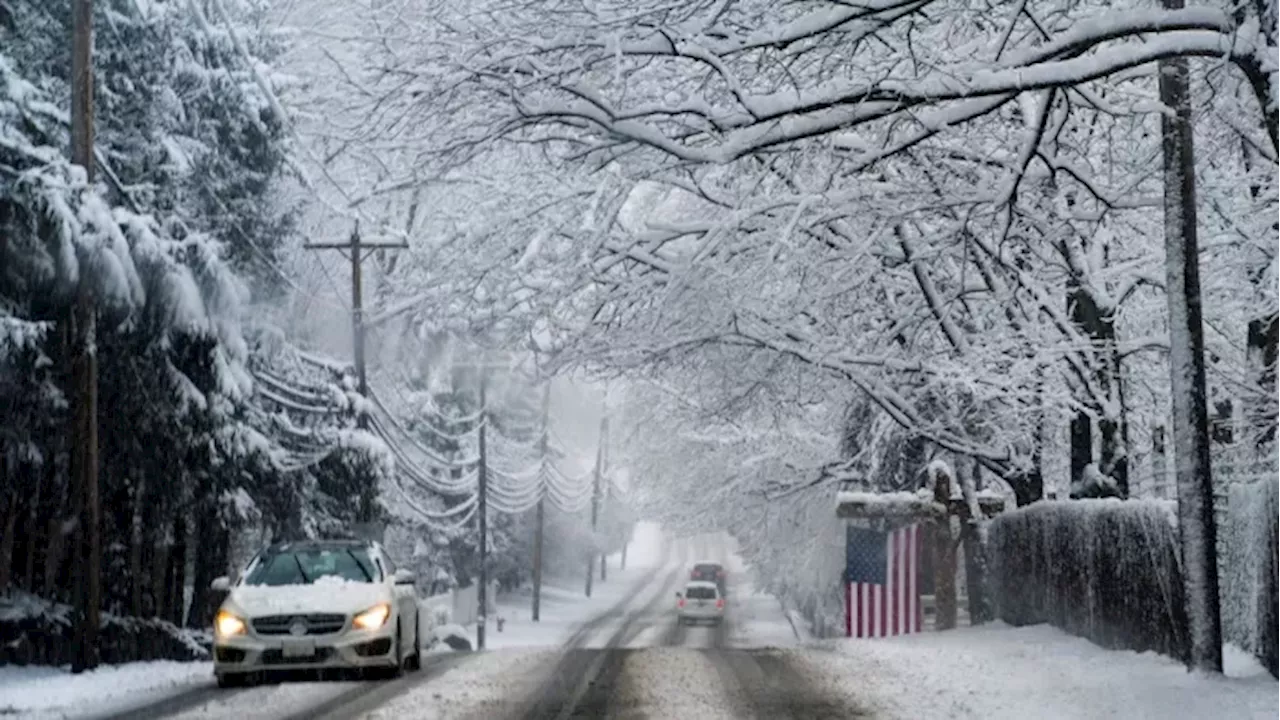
(583, 680)
(364, 699)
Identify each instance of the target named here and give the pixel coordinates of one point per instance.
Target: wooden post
(944, 558)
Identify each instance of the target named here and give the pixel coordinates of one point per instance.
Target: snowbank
(51, 692)
(995, 672)
(1106, 570)
(36, 631)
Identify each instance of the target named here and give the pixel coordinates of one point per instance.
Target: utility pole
(1196, 525)
(356, 251)
(483, 511)
(595, 500)
(540, 518)
(84, 366)
(606, 491)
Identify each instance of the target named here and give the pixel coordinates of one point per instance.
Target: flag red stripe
(848, 609)
(917, 613)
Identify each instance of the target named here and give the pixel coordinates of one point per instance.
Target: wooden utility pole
(540, 517)
(84, 366)
(483, 512)
(595, 502)
(1196, 524)
(356, 251)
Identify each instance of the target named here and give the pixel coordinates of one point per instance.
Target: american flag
(881, 594)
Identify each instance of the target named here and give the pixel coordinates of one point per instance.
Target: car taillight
(720, 604)
(720, 574)
(680, 602)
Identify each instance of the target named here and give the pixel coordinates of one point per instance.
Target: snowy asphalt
(598, 674)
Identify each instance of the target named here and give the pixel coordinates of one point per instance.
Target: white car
(316, 604)
(701, 601)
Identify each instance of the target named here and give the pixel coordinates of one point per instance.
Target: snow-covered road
(622, 654)
(625, 656)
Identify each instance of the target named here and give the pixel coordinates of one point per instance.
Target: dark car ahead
(709, 572)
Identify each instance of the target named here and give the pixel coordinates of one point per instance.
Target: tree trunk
(176, 573)
(1081, 444)
(210, 559)
(1260, 359)
(11, 510)
(136, 541)
(32, 535)
(1196, 524)
(160, 569)
(53, 557)
(1160, 462)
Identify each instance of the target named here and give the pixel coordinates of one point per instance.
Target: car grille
(317, 623)
(276, 656)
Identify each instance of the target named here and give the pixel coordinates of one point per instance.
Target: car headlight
(227, 624)
(373, 618)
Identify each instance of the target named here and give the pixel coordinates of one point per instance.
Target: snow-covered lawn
(1037, 672)
(44, 692)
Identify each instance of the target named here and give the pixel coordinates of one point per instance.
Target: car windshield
(698, 592)
(304, 566)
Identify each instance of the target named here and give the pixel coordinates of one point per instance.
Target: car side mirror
(221, 584)
(405, 577)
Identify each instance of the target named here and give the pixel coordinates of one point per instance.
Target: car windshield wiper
(367, 576)
(305, 580)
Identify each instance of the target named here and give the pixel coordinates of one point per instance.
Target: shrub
(1106, 570)
(1249, 593)
(36, 632)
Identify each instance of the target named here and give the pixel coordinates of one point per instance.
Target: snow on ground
(565, 607)
(46, 692)
(670, 683)
(997, 672)
(268, 701)
(564, 610)
(757, 618)
(488, 685)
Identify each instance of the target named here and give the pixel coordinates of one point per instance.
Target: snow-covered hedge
(34, 631)
(1249, 593)
(1106, 570)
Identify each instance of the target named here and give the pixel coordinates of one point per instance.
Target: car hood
(322, 596)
